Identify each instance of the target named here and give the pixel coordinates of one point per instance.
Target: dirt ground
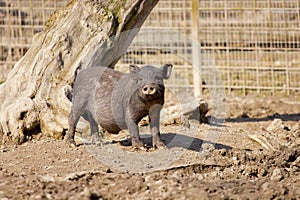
(256, 156)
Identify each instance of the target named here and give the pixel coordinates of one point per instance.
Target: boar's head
(149, 80)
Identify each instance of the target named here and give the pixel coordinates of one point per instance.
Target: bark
(34, 96)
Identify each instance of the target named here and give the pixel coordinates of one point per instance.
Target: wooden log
(181, 113)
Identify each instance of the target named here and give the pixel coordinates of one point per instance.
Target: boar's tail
(69, 92)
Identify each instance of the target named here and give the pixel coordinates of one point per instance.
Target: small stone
(138, 184)
(296, 127)
(2, 195)
(36, 197)
(47, 178)
(275, 125)
(223, 152)
(297, 162)
(3, 150)
(265, 186)
(208, 147)
(277, 175)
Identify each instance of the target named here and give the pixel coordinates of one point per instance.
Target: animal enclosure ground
(257, 157)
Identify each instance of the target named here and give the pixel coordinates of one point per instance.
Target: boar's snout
(149, 89)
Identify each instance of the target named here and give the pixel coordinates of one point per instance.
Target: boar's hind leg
(154, 115)
(73, 120)
(94, 134)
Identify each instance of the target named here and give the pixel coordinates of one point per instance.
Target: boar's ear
(167, 69)
(134, 68)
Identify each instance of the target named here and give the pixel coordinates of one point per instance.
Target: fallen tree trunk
(196, 110)
(34, 97)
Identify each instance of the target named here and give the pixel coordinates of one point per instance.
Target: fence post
(196, 50)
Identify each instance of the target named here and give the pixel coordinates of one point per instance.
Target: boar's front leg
(134, 132)
(154, 115)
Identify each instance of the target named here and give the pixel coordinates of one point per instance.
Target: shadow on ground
(178, 140)
(283, 117)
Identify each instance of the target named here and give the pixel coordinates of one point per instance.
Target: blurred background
(254, 44)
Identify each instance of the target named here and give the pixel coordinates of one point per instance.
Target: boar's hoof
(138, 144)
(70, 142)
(159, 145)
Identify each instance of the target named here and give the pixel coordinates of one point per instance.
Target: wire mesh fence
(254, 44)
(19, 21)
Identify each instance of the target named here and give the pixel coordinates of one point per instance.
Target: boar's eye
(158, 78)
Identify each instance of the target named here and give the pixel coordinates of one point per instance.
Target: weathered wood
(193, 110)
(33, 99)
